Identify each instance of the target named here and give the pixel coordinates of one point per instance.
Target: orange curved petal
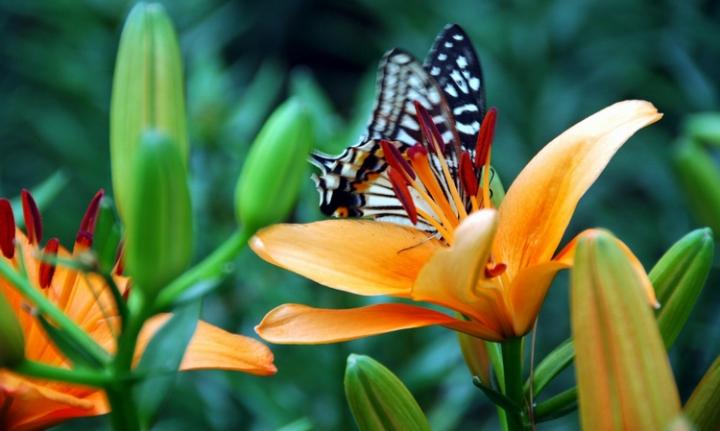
(357, 256)
(567, 257)
(540, 202)
(34, 406)
(300, 324)
(454, 277)
(527, 293)
(214, 348)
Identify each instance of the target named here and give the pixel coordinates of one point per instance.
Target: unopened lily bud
(158, 221)
(703, 407)
(704, 127)
(378, 399)
(678, 278)
(700, 177)
(12, 340)
(275, 167)
(147, 92)
(620, 357)
(476, 356)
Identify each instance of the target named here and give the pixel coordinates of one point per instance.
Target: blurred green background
(547, 64)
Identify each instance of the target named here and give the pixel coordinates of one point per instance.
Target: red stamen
(47, 269)
(493, 270)
(31, 214)
(84, 236)
(416, 150)
(119, 260)
(485, 138)
(399, 184)
(7, 229)
(430, 132)
(395, 158)
(467, 174)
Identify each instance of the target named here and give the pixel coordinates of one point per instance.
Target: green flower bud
(275, 167)
(12, 340)
(700, 178)
(147, 92)
(159, 217)
(678, 278)
(704, 127)
(620, 357)
(378, 399)
(703, 407)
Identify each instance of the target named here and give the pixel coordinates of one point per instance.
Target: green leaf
(67, 345)
(496, 397)
(43, 193)
(378, 399)
(703, 406)
(552, 365)
(162, 358)
(557, 406)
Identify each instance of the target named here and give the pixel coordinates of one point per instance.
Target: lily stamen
(31, 214)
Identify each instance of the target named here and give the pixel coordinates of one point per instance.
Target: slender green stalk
(124, 416)
(77, 376)
(559, 405)
(212, 266)
(513, 366)
(120, 304)
(23, 285)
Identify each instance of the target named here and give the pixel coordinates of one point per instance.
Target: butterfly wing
(448, 86)
(348, 184)
(453, 64)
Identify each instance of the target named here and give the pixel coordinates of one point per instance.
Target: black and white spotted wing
(454, 65)
(354, 183)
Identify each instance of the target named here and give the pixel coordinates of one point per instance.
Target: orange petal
(527, 293)
(542, 199)
(300, 324)
(358, 256)
(452, 276)
(567, 257)
(31, 406)
(213, 348)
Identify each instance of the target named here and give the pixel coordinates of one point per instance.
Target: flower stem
(212, 266)
(48, 372)
(124, 414)
(512, 355)
(23, 285)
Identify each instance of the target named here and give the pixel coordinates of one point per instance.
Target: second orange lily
(493, 266)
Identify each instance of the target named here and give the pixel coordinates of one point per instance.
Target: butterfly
(449, 87)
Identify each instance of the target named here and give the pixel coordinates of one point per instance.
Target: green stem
(124, 414)
(23, 285)
(513, 366)
(214, 265)
(48, 372)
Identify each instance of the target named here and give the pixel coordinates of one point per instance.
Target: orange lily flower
(492, 266)
(31, 404)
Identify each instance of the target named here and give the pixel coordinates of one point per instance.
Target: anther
(430, 132)
(467, 174)
(485, 138)
(47, 269)
(400, 187)
(84, 236)
(395, 159)
(7, 229)
(31, 214)
(493, 270)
